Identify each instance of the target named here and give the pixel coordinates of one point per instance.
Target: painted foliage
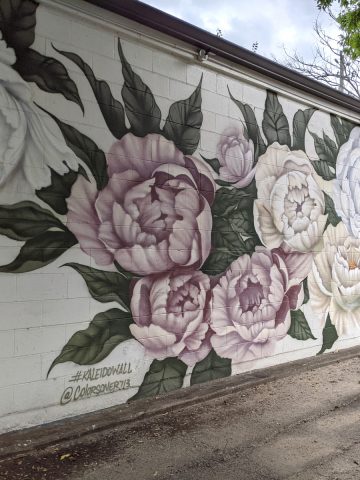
(209, 259)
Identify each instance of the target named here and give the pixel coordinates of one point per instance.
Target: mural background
(162, 224)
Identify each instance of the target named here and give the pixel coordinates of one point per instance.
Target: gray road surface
(304, 427)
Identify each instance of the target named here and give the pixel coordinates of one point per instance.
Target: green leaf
(231, 199)
(162, 377)
(299, 328)
(49, 74)
(86, 150)
(112, 109)
(322, 168)
(105, 332)
(233, 233)
(306, 291)
(123, 272)
(333, 217)
(184, 121)
(140, 106)
(59, 190)
(211, 368)
(275, 125)
(25, 220)
(300, 123)
(218, 261)
(329, 336)
(213, 162)
(326, 149)
(40, 251)
(104, 286)
(252, 127)
(17, 22)
(342, 129)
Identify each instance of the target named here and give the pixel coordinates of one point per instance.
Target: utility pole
(341, 86)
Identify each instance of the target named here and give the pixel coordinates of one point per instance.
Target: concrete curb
(22, 442)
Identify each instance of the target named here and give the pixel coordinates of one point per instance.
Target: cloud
(273, 24)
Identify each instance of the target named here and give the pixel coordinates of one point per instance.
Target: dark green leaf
(211, 368)
(322, 168)
(86, 150)
(141, 109)
(329, 335)
(59, 190)
(300, 123)
(25, 220)
(49, 74)
(17, 22)
(105, 332)
(218, 261)
(112, 109)
(333, 217)
(123, 272)
(213, 162)
(326, 149)
(184, 121)
(342, 129)
(40, 251)
(306, 291)
(252, 127)
(222, 183)
(162, 377)
(299, 328)
(104, 286)
(275, 124)
(230, 199)
(233, 233)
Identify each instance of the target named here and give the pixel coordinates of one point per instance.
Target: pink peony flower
(236, 157)
(252, 302)
(154, 214)
(171, 312)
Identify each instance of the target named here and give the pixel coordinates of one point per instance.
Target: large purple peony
(252, 302)
(171, 312)
(154, 214)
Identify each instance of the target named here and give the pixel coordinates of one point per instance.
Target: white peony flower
(236, 157)
(290, 205)
(334, 282)
(30, 141)
(347, 183)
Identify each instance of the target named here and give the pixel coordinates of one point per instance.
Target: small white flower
(236, 157)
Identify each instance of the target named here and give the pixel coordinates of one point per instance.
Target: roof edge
(163, 22)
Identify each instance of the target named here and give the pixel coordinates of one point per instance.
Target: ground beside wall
(163, 221)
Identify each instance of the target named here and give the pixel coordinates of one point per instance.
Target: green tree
(349, 21)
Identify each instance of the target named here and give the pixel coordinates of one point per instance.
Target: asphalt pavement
(296, 422)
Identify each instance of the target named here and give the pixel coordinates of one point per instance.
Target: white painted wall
(40, 310)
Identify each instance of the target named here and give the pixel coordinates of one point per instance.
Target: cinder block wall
(163, 222)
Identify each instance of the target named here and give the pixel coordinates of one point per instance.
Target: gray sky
(272, 23)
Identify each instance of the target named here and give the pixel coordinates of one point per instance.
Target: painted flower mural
(171, 314)
(207, 259)
(347, 183)
(236, 157)
(252, 302)
(334, 282)
(30, 143)
(153, 215)
(290, 206)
